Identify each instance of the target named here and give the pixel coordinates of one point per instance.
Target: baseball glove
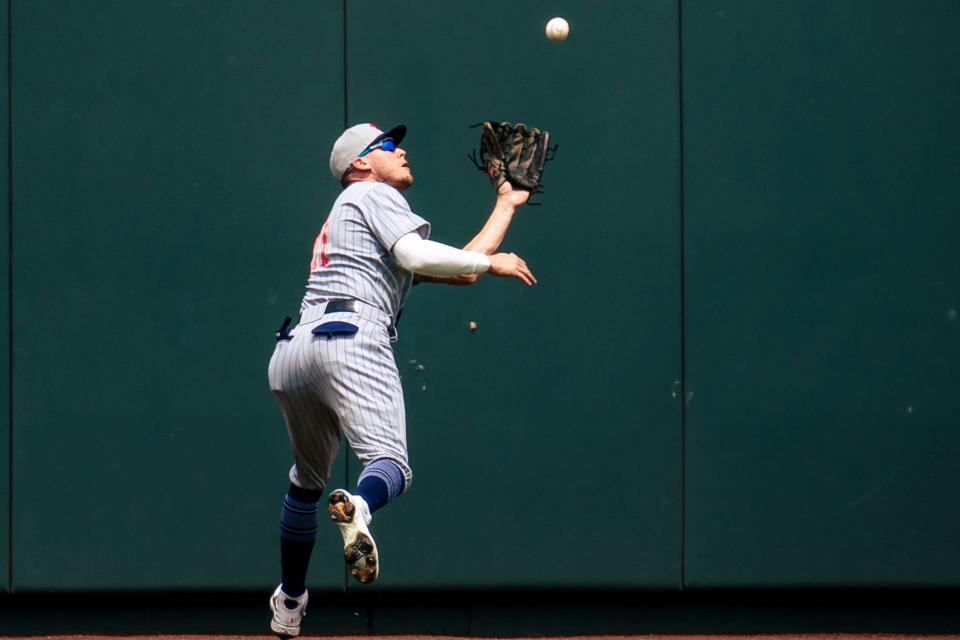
(513, 153)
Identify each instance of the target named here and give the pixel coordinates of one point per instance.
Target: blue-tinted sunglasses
(387, 144)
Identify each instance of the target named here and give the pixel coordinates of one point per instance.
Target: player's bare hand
(515, 197)
(510, 265)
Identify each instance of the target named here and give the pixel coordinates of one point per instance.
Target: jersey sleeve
(389, 216)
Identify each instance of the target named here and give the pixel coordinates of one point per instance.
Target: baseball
(557, 29)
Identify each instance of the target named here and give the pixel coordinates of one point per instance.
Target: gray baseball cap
(354, 140)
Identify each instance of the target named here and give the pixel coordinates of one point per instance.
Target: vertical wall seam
(345, 77)
(683, 315)
(10, 295)
(346, 455)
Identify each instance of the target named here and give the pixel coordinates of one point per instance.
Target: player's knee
(381, 482)
(307, 477)
(393, 470)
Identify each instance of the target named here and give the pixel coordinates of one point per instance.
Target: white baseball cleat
(286, 621)
(352, 515)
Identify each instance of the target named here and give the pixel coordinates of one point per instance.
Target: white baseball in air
(557, 29)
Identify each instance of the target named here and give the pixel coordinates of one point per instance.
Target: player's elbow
(464, 279)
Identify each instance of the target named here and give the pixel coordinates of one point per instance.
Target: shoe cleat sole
(359, 549)
(360, 557)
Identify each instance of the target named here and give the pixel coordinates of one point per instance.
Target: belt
(333, 306)
(337, 306)
(366, 310)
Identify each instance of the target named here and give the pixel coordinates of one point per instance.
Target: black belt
(333, 306)
(337, 306)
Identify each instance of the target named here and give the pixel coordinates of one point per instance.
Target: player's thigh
(363, 386)
(314, 438)
(312, 425)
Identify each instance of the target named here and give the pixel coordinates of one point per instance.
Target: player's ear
(361, 164)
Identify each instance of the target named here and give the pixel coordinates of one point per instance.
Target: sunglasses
(387, 144)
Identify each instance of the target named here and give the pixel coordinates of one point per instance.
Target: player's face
(391, 167)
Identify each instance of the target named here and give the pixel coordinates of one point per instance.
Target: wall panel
(169, 177)
(822, 279)
(545, 444)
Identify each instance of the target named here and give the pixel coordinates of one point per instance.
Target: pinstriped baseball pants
(339, 385)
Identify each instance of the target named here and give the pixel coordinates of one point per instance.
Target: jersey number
(320, 249)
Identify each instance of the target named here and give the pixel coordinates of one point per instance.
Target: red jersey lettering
(320, 248)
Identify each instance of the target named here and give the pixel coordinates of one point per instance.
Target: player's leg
(314, 442)
(314, 438)
(364, 390)
(379, 483)
(298, 532)
(376, 430)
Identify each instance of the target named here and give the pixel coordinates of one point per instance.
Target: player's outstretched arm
(490, 237)
(439, 261)
(505, 265)
(493, 232)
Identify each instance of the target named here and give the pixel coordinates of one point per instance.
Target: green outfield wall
(5, 361)
(740, 368)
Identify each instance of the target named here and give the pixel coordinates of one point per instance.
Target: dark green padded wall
(546, 444)
(822, 184)
(170, 174)
(170, 165)
(4, 298)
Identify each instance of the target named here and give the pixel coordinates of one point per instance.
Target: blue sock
(380, 482)
(298, 531)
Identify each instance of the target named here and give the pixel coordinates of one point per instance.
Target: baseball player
(334, 372)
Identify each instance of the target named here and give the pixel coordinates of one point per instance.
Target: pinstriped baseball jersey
(343, 381)
(351, 255)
